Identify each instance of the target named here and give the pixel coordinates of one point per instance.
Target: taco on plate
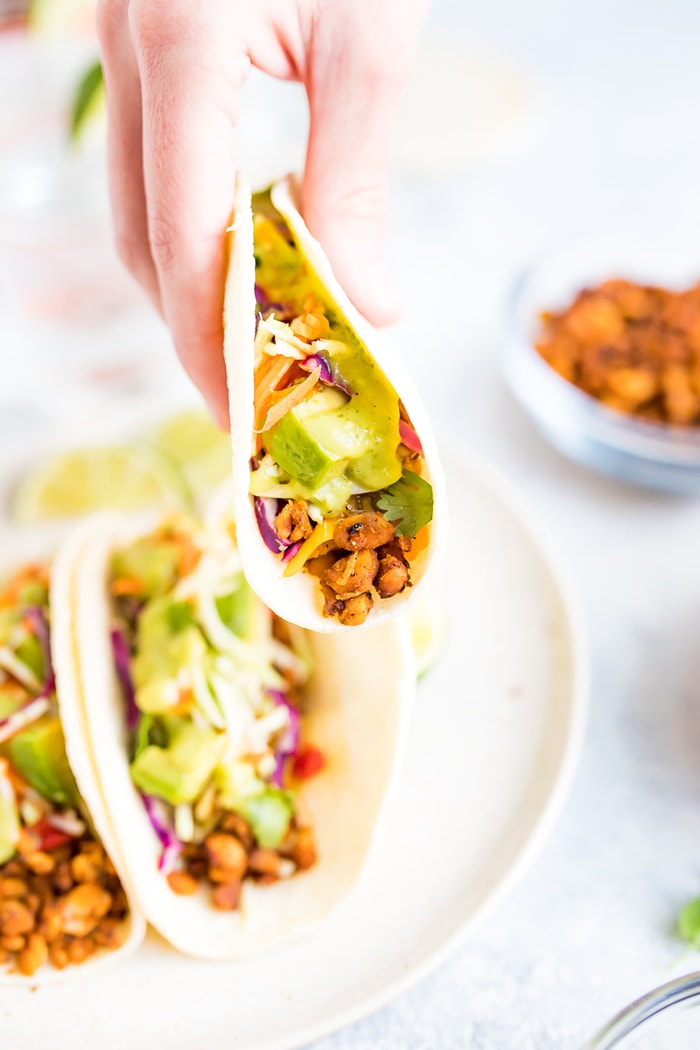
(62, 899)
(243, 762)
(339, 498)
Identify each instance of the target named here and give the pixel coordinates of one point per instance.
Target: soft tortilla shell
(298, 598)
(359, 703)
(80, 759)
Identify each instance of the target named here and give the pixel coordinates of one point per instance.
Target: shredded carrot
(126, 585)
(20, 785)
(267, 386)
(268, 376)
(295, 395)
(9, 594)
(262, 369)
(188, 554)
(184, 702)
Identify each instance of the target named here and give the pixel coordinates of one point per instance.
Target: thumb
(353, 101)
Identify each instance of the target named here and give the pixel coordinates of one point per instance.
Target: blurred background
(526, 126)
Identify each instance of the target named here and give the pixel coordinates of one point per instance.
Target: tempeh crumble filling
(337, 470)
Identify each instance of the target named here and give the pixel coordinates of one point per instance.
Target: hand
(174, 70)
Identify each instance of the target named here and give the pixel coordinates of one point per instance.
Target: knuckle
(146, 22)
(364, 203)
(162, 237)
(110, 18)
(159, 26)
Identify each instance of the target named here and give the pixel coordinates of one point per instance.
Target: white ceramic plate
(491, 753)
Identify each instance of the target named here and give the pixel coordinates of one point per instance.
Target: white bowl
(656, 455)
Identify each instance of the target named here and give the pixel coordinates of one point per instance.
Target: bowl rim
(644, 1009)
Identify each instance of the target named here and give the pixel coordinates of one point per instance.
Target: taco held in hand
(61, 899)
(238, 762)
(339, 498)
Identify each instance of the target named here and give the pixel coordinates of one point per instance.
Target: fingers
(354, 94)
(125, 144)
(191, 70)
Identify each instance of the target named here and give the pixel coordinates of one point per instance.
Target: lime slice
(53, 18)
(429, 623)
(197, 447)
(123, 478)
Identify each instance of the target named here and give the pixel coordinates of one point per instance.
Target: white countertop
(591, 926)
(612, 138)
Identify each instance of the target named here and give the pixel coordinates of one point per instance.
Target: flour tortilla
(80, 760)
(360, 696)
(298, 598)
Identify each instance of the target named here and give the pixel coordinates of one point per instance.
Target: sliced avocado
(236, 782)
(158, 696)
(34, 592)
(9, 827)
(331, 498)
(162, 652)
(180, 615)
(39, 754)
(329, 436)
(11, 701)
(269, 815)
(155, 565)
(238, 610)
(154, 772)
(9, 618)
(142, 736)
(179, 773)
(31, 653)
(298, 442)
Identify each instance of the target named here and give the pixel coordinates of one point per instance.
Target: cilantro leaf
(89, 89)
(689, 923)
(408, 503)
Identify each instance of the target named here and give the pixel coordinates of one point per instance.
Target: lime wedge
(53, 18)
(122, 478)
(429, 623)
(197, 447)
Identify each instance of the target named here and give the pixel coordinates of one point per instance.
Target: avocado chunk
(329, 436)
(9, 826)
(39, 754)
(168, 641)
(299, 442)
(269, 815)
(179, 772)
(235, 782)
(11, 701)
(30, 652)
(238, 610)
(154, 565)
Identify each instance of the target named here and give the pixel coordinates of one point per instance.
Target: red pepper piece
(49, 836)
(308, 762)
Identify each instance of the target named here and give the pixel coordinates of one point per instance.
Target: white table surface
(614, 139)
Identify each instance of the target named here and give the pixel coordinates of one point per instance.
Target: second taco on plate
(243, 762)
